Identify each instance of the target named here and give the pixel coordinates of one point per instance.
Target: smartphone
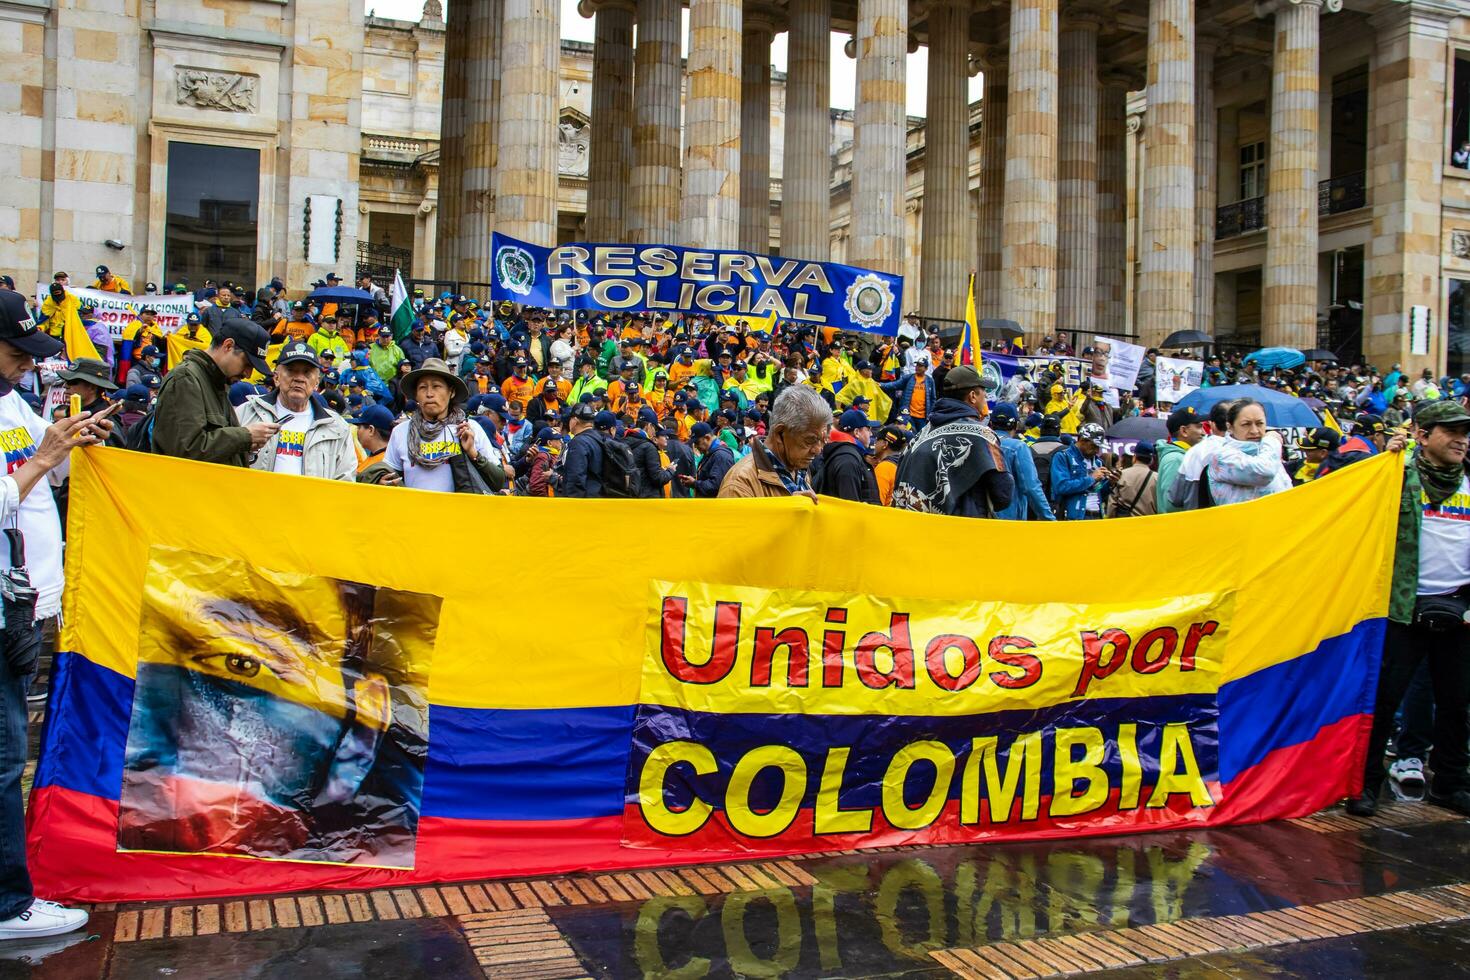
(76, 406)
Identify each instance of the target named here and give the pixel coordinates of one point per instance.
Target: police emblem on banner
(515, 269)
(869, 300)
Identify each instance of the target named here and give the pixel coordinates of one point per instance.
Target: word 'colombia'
(792, 714)
(656, 277)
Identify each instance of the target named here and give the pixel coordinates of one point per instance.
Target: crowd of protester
(467, 397)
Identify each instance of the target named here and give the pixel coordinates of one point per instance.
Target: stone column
(710, 216)
(1289, 276)
(1077, 165)
(653, 204)
(451, 138)
(878, 169)
(612, 122)
(1406, 159)
(530, 64)
(992, 187)
(945, 230)
(1206, 155)
(1112, 191)
(481, 142)
(755, 133)
(806, 161)
(1029, 225)
(1166, 193)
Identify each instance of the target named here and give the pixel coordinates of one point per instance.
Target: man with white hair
(777, 465)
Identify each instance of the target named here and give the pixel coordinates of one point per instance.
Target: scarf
(941, 466)
(421, 430)
(1439, 482)
(794, 482)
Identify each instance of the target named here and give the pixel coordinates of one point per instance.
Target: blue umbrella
(1282, 410)
(1271, 358)
(343, 296)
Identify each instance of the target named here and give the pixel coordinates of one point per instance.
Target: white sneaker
(42, 919)
(1408, 779)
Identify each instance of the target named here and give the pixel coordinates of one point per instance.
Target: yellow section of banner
(729, 648)
(1303, 565)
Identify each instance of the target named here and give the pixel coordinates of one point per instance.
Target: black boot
(1458, 800)
(1365, 804)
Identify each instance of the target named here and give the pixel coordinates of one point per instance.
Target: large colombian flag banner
(284, 683)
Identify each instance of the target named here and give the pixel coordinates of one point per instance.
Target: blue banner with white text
(708, 282)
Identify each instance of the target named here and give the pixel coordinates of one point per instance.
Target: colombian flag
(969, 349)
(243, 713)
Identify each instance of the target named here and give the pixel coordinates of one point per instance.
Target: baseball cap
(1325, 438)
(1003, 415)
(852, 419)
(1366, 422)
(297, 352)
(10, 283)
(861, 401)
(152, 381)
(604, 420)
(962, 378)
(647, 416)
(333, 277)
(1092, 432)
(894, 436)
(1181, 417)
(18, 329)
(298, 306)
(376, 416)
(135, 393)
(239, 391)
(1143, 450)
(497, 404)
(102, 270)
(249, 337)
(700, 430)
(1445, 411)
(192, 320)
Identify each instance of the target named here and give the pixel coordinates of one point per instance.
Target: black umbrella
(994, 329)
(1187, 338)
(1320, 355)
(1139, 428)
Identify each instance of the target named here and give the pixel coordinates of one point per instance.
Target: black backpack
(619, 472)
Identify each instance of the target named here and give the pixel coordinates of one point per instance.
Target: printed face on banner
(277, 715)
(788, 718)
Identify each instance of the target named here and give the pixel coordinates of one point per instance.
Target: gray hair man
(777, 465)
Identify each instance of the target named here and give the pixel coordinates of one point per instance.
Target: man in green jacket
(1185, 429)
(1427, 606)
(193, 417)
(385, 355)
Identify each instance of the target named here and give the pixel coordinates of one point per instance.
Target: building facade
(1286, 172)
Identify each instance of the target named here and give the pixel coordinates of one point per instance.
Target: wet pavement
(1327, 896)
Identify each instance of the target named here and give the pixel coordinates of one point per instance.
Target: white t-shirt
(21, 431)
(431, 477)
(291, 440)
(1444, 543)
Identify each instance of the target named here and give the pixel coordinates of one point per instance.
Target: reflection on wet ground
(858, 915)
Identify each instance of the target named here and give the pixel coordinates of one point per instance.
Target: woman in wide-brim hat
(436, 447)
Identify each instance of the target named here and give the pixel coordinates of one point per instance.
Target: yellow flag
(78, 342)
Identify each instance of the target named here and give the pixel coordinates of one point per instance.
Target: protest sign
(710, 282)
(1174, 378)
(998, 370)
(362, 716)
(1124, 362)
(117, 310)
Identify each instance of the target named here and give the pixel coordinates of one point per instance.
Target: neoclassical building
(1275, 172)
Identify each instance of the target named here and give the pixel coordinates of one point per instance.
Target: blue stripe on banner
(1287, 704)
(86, 730)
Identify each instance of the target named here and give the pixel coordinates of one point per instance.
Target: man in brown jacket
(777, 465)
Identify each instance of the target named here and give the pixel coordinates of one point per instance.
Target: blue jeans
(1416, 717)
(15, 880)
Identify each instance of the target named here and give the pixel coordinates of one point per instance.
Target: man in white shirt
(32, 451)
(312, 439)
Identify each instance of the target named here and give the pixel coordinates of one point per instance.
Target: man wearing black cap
(1186, 429)
(111, 283)
(1314, 447)
(193, 418)
(641, 440)
(312, 440)
(582, 465)
(1370, 437)
(1136, 493)
(374, 429)
(842, 469)
(715, 460)
(32, 452)
(956, 466)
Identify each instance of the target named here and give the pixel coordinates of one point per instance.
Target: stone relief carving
(226, 91)
(573, 147)
(1460, 244)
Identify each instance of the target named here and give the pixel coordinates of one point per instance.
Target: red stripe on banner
(1300, 779)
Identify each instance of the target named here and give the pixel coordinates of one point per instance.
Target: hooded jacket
(844, 471)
